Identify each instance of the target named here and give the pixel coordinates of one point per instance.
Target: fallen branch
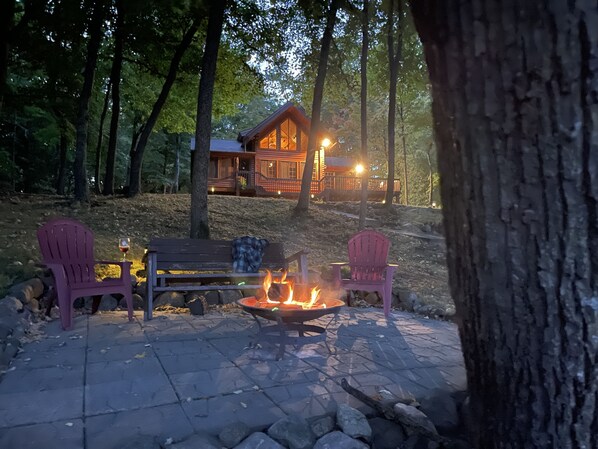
(410, 426)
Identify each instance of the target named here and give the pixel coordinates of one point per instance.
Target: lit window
(269, 142)
(288, 169)
(268, 168)
(288, 135)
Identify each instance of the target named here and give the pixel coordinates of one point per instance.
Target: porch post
(237, 187)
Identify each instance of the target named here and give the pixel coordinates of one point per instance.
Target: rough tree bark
(404, 142)
(117, 63)
(62, 151)
(93, 45)
(515, 89)
(395, 56)
(363, 205)
(312, 140)
(177, 163)
(148, 127)
(200, 228)
(98, 164)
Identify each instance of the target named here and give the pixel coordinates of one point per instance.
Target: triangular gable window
(286, 137)
(269, 142)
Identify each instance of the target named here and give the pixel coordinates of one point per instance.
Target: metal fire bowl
(250, 304)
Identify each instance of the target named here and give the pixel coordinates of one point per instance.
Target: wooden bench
(201, 265)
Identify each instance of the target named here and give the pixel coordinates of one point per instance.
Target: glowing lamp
(359, 169)
(325, 142)
(213, 189)
(279, 192)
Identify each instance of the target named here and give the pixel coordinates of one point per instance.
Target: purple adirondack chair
(67, 249)
(368, 254)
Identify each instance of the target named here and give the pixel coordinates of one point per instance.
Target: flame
(288, 293)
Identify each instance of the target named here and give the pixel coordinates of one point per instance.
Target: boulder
(441, 408)
(352, 422)
(386, 434)
(322, 426)
(137, 302)
(108, 302)
(9, 305)
(33, 305)
(339, 440)
(259, 440)
(293, 431)
(174, 299)
(141, 288)
(233, 434)
(28, 290)
(372, 298)
(134, 280)
(413, 416)
(213, 297)
(230, 296)
(198, 305)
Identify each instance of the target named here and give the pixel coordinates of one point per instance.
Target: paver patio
(108, 381)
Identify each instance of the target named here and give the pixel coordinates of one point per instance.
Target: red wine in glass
(124, 243)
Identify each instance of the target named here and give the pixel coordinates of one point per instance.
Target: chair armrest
(301, 258)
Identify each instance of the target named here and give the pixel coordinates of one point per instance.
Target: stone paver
(109, 380)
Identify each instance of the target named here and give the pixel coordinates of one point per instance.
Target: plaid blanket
(248, 253)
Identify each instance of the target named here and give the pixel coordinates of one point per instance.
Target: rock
(386, 434)
(372, 298)
(413, 301)
(10, 305)
(141, 288)
(339, 440)
(33, 305)
(196, 441)
(174, 299)
(137, 302)
(139, 442)
(440, 407)
(230, 296)
(411, 415)
(233, 434)
(353, 422)
(134, 280)
(322, 426)
(213, 297)
(5, 330)
(28, 290)
(259, 440)
(198, 305)
(292, 431)
(108, 302)
(88, 302)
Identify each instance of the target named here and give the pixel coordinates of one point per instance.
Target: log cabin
(269, 159)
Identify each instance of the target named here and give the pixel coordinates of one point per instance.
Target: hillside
(324, 232)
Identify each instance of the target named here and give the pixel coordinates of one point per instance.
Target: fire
(284, 294)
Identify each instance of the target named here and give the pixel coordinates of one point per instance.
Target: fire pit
(277, 301)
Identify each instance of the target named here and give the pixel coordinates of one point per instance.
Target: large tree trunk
(117, 63)
(404, 142)
(200, 228)
(395, 56)
(312, 140)
(516, 121)
(80, 165)
(137, 154)
(177, 163)
(62, 151)
(98, 164)
(363, 206)
(7, 15)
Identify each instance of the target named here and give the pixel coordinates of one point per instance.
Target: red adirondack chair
(368, 254)
(67, 249)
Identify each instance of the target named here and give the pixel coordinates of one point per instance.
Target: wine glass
(124, 243)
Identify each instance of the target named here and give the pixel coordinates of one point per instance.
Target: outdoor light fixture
(359, 169)
(312, 195)
(383, 201)
(213, 189)
(325, 142)
(279, 192)
(433, 203)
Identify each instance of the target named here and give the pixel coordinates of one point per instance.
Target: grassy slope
(325, 233)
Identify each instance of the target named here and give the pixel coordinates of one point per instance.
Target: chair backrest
(368, 255)
(69, 243)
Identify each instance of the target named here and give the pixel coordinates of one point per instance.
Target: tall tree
(93, 45)
(312, 140)
(139, 148)
(199, 189)
(115, 77)
(516, 125)
(364, 114)
(97, 186)
(395, 56)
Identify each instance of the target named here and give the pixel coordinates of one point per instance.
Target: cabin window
(288, 170)
(213, 168)
(288, 135)
(268, 168)
(269, 142)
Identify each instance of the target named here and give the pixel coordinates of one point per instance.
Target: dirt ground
(417, 245)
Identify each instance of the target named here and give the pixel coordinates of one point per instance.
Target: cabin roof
(231, 146)
(297, 112)
(336, 161)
